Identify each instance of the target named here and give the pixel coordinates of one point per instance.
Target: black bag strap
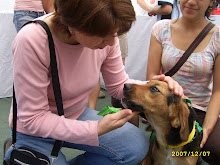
(14, 127)
(56, 89)
(190, 49)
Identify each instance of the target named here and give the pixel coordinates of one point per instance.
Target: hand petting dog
(173, 85)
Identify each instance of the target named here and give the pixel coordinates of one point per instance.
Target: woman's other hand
(113, 121)
(205, 136)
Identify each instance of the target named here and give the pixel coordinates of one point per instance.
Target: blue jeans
(127, 145)
(23, 16)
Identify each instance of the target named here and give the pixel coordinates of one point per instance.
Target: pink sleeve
(31, 70)
(156, 30)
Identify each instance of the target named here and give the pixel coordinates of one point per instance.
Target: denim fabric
(127, 145)
(23, 16)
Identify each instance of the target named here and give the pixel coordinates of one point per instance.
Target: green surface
(108, 110)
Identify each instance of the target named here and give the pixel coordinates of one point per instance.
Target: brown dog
(177, 137)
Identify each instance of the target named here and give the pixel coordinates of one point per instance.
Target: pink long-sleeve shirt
(79, 68)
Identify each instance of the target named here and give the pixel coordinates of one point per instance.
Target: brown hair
(94, 17)
(211, 8)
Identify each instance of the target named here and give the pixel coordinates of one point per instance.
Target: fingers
(159, 77)
(204, 138)
(173, 85)
(123, 116)
(152, 14)
(185, 97)
(113, 121)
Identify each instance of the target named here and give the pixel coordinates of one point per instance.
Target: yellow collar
(191, 135)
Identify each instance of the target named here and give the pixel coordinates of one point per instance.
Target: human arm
(164, 9)
(154, 66)
(213, 110)
(48, 5)
(154, 58)
(143, 5)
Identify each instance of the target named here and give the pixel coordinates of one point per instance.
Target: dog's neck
(172, 137)
(191, 135)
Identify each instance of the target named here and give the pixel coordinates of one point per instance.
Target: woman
(85, 38)
(169, 40)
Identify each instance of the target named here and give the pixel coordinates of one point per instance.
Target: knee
(136, 156)
(137, 150)
(211, 152)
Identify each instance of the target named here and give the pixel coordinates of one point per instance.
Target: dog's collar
(190, 138)
(188, 101)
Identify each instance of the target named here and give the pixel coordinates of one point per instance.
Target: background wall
(7, 5)
(7, 35)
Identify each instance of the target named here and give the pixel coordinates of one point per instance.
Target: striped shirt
(196, 74)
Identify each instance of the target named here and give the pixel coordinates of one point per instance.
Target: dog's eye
(154, 89)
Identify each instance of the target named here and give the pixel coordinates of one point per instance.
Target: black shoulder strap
(54, 71)
(191, 48)
(56, 88)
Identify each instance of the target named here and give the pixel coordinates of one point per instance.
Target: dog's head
(164, 110)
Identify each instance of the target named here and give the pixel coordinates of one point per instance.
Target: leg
(126, 145)
(23, 16)
(213, 143)
(148, 160)
(123, 41)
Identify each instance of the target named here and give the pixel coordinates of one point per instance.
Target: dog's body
(172, 121)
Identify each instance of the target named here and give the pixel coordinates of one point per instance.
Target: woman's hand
(206, 133)
(113, 121)
(152, 11)
(173, 85)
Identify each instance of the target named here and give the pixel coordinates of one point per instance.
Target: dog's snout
(127, 87)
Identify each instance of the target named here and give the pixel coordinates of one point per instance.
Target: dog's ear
(184, 119)
(179, 115)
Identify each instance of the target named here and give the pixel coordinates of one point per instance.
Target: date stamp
(190, 153)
